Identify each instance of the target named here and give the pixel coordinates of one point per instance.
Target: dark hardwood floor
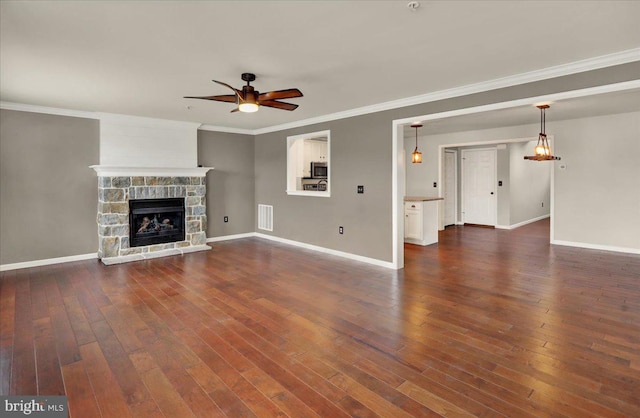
(486, 323)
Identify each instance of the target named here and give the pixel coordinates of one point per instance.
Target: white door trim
(455, 187)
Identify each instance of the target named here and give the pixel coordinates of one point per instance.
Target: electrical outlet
(226, 219)
(360, 189)
(340, 230)
(542, 204)
(435, 184)
(499, 182)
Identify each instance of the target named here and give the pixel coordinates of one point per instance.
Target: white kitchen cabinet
(315, 150)
(413, 220)
(421, 221)
(296, 152)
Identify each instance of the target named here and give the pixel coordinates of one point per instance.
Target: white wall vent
(265, 217)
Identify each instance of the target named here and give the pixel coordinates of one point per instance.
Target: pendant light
(416, 156)
(542, 150)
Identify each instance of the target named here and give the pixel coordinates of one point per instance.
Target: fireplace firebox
(156, 221)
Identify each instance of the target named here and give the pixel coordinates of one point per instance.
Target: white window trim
(291, 182)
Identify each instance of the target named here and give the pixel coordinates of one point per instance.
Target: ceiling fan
(249, 100)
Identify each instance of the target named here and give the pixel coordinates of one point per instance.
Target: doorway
(398, 174)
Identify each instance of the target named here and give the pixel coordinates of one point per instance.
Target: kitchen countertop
(421, 198)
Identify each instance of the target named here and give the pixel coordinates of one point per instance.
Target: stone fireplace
(124, 201)
(151, 192)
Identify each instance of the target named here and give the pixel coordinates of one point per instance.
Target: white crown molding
(590, 91)
(144, 121)
(595, 63)
(118, 171)
(48, 110)
(224, 129)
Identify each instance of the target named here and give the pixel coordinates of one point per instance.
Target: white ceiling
(140, 58)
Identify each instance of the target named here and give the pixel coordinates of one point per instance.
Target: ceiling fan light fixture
(248, 107)
(542, 150)
(416, 156)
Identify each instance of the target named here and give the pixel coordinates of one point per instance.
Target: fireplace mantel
(119, 171)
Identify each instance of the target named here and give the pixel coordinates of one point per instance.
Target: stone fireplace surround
(118, 185)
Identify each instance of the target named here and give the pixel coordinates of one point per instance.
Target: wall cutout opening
(308, 164)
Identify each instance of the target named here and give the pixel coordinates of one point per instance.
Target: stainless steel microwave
(319, 170)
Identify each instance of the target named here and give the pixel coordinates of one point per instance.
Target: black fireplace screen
(156, 221)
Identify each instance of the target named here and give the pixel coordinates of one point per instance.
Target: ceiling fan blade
(229, 98)
(238, 92)
(281, 94)
(278, 105)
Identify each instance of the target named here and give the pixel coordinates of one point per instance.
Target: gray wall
(230, 186)
(597, 197)
(48, 193)
(530, 184)
(503, 174)
(360, 155)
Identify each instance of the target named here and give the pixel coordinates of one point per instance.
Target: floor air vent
(265, 217)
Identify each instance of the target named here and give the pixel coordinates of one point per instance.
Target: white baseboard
(343, 254)
(523, 223)
(47, 261)
(596, 247)
(137, 257)
(230, 237)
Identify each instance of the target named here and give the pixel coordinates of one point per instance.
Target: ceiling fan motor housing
(248, 77)
(249, 94)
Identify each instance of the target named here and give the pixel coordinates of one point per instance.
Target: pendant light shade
(416, 156)
(542, 150)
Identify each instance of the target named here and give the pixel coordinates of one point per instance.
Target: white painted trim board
(47, 261)
(523, 223)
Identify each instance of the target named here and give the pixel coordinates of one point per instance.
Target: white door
(450, 186)
(478, 186)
